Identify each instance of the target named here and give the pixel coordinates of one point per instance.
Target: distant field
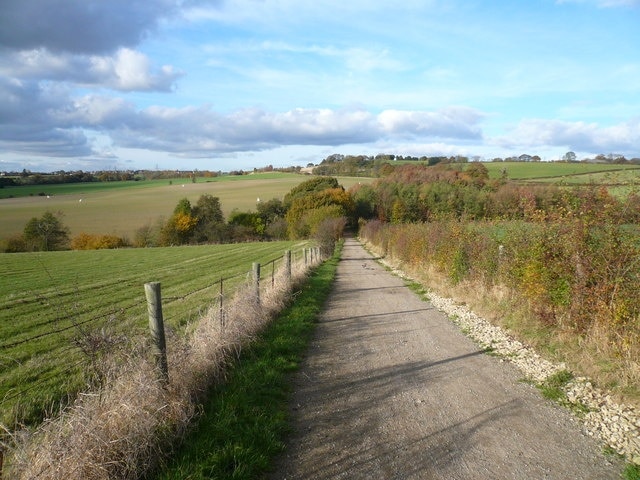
(120, 208)
(555, 171)
(71, 188)
(50, 300)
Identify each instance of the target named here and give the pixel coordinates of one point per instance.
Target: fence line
(110, 313)
(154, 304)
(219, 298)
(42, 381)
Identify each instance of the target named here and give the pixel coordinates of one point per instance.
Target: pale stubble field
(122, 211)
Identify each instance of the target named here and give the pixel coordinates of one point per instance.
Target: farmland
(557, 170)
(55, 305)
(98, 296)
(120, 208)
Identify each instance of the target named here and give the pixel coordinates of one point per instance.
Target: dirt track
(392, 390)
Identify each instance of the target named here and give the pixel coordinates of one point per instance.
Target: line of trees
(381, 165)
(416, 193)
(27, 177)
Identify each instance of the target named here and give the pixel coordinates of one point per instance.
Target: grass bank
(127, 427)
(245, 420)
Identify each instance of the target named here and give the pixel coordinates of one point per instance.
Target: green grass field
(569, 172)
(51, 301)
(120, 208)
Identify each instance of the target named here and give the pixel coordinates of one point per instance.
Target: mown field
(59, 310)
(120, 208)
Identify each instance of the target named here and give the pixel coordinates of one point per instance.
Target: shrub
(86, 241)
(573, 274)
(328, 232)
(14, 244)
(46, 232)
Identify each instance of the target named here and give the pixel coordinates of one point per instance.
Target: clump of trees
(45, 233)
(188, 224)
(314, 201)
(49, 233)
(88, 241)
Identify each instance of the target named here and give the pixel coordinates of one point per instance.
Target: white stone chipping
(617, 425)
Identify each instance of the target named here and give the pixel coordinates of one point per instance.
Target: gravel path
(392, 390)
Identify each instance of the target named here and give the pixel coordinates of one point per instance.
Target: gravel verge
(616, 425)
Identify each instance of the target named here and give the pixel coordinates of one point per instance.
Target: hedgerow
(574, 276)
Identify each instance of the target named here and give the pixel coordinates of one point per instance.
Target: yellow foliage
(87, 241)
(184, 222)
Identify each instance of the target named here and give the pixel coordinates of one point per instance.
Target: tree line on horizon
(380, 165)
(27, 177)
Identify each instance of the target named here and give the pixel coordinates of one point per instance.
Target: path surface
(392, 390)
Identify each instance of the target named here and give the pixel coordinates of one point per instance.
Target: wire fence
(52, 361)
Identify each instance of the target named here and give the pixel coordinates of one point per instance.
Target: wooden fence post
(221, 305)
(273, 273)
(287, 266)
(256, 282)
(156, 325)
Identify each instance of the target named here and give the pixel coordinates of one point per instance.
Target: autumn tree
(210, 225)
(46, 233)
(246, 226)
(316, 184)
(307, 211)
(179, 227)
(271, 210)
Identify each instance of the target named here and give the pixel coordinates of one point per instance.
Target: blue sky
(237, 84)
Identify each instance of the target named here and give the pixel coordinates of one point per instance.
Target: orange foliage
(86, 241)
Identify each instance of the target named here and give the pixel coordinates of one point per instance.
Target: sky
(241, 84)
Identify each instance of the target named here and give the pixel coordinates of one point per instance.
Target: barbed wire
(41, 381)
(75, 324)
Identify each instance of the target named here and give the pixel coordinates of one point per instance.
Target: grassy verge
(632, 472)
(245, 420)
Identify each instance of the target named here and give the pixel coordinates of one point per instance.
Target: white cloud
(578, 136)
(48, 112)
(130, 70)
(204, 132)
(452, 122)
(125, 70)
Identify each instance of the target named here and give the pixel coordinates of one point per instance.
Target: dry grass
(128, 427)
